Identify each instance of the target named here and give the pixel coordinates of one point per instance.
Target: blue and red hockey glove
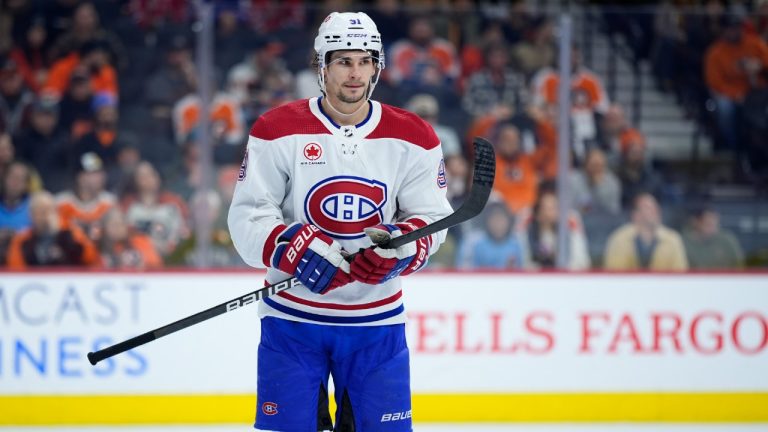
(377, 265)
(313, 257)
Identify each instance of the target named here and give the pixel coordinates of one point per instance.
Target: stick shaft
(228, 306)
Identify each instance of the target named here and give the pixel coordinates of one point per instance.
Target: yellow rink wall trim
(538, 407)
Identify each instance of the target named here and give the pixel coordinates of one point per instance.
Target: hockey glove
(377, 265)
(313, 257)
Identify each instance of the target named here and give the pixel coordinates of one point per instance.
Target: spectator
(84, 29)
(225, 115)
(186, 176)
(422, 59)
(7, 153)
(493, 247)
(635, 172)
(14, 197)
(120, 178)
(537, 230)
(707, 246)
(516, 179)
(426, 107)
(496, 84)
(30, 55)
(644, 243)
(14, 209)
(154, 211)
(232, 37)
(15, 97)
(175, 79)
(88, 201)
(92, 60)
(123, 248)
(103, 139)
(588, 98)
(473, 51)
(391, 19)
(76, 107)
(616, 132)
(207, 205)
(49, 241)
(595, 188)
(537, 51)
(545, 133)
(670, 39)
(271, 81)
(733, 66)
(43, 146)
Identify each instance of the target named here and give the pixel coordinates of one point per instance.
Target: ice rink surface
(560, 427)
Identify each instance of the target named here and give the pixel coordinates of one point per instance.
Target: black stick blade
(484, 167)
(484, 163)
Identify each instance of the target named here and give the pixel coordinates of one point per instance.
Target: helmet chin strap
(344, 114)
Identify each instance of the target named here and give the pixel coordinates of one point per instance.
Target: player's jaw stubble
(351, 99)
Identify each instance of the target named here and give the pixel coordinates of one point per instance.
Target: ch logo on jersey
(269, 408)
(313, 151)
(342, 206)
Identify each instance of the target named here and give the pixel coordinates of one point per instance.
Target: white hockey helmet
(348, 31)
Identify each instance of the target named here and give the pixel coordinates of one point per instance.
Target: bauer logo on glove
(314, 258)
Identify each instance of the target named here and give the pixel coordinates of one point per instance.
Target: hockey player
(320, 179)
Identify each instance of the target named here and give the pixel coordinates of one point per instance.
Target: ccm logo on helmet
(342, 206)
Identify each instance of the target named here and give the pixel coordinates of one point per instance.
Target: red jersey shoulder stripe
(293, 118)
(400, 124)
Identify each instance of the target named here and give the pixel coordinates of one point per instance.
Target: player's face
(348, 75)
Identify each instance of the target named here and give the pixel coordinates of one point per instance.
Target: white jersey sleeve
(422, 198)
(255, 213)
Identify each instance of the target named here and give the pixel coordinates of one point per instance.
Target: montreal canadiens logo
(313, 151)
(343, 206)
(269, 408)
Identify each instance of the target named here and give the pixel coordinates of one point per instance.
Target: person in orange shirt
(124, 248)
(516, 179)
(92, 57)
(226, 116)
(422, 58)
(733, 65)
(50, 241)
(588, 97)
(88, 201)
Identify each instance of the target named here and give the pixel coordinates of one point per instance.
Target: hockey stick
(482, 182)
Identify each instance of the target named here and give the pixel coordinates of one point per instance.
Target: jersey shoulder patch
(404, 125)
(293, 118)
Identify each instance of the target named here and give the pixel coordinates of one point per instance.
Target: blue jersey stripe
(334, 319)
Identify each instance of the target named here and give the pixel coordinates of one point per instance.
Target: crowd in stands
(100, 113)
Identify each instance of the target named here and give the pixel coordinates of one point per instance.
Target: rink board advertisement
(484, 347)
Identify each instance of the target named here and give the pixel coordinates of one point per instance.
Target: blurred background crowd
(99, 115)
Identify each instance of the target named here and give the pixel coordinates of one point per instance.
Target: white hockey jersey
(301, 166)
